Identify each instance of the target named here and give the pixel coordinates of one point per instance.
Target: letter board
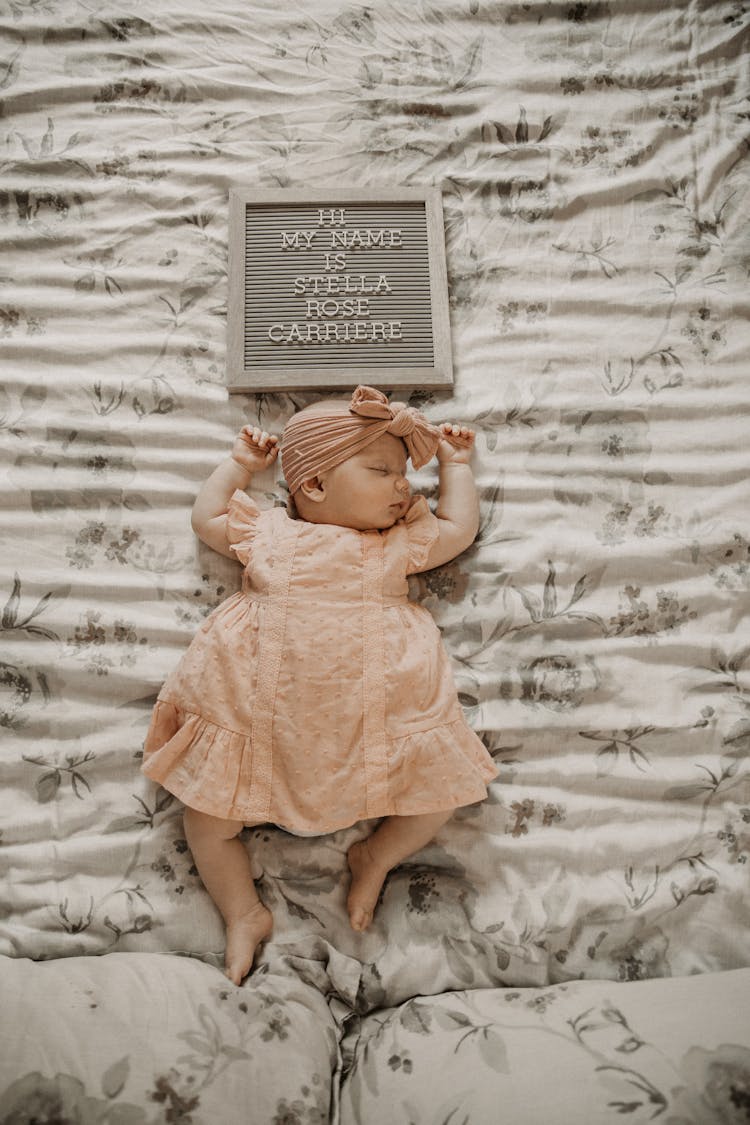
(336, 289)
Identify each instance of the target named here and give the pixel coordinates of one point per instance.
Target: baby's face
(370, 490)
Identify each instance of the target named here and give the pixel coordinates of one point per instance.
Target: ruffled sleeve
(242, 524)
(422, 531)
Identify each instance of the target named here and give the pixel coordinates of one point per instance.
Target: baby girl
(319, 695)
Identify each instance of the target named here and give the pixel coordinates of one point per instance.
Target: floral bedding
(593, 163)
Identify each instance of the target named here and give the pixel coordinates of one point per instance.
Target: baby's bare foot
(244, 935)
(367, 882)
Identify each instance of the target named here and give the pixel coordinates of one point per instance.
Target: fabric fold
(428, 771)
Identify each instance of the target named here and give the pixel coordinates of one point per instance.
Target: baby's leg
(370, 860)
(224, 867)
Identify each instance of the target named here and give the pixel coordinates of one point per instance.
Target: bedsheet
(593, 163)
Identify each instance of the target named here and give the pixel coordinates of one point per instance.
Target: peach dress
(318, 695)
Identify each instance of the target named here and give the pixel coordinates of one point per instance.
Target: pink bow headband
(324, 435)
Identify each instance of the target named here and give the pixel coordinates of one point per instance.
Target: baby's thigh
(201, 826)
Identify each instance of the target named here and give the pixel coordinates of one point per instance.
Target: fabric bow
(420, 436)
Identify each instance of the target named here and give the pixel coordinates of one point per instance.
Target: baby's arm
(253, 451)
(458, 504)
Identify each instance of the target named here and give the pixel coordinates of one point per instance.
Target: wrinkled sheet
(593, 163)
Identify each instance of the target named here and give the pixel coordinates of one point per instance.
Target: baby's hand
(456, 444)
(255, 449)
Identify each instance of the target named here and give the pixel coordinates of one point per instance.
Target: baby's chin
(382, 523)
(396, 513)
(379, 525)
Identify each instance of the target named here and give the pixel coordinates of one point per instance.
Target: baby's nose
(403, 485)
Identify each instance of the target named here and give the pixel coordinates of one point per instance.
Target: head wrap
(327, 433)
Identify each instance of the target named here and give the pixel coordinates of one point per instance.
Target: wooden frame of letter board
(241, 377)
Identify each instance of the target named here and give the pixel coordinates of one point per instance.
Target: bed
(577, 947)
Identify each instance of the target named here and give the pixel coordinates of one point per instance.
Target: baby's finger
(250, 434)
(255, 435)
(257, 440)
(457, 434)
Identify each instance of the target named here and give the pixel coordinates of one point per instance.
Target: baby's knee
(201, 826)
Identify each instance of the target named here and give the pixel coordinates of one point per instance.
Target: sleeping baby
(319, 695)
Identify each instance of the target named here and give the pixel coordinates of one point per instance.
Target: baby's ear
(313, 489)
